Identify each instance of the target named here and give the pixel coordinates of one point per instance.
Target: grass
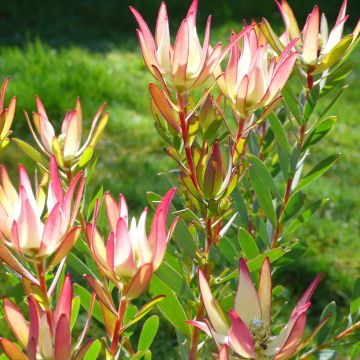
(131, 153)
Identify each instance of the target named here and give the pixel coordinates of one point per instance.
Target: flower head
(248, 333)
(6, 116)
(318, 48)
(130, 256)
(186, 65)
(250, 82)
(22, 214)
(48, 333)
(67, 147)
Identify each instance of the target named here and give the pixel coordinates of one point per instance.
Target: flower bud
(67, 147)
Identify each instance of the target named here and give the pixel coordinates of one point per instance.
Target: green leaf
(174, 280)
(264, 197)
(240, 206)
(86, 156)
(146, 355)
(85, 299)
(317, 171)
(292, 102)
(293, 161)
(98, 194)
(74, 310)
(310, 103)
(184, 239)
(305, 216)
(248, 244)
(170, 307)
(227, 249)
(319, 132)
(93, 351)
(30, 151)
(130, 312)
(336, 77)
(333, 101)
(262, 172)
(279, 133)
(77, 265)
(293, 206)
(355, 301)
(328, 312)
(284, 160)
(189, 216)
(148, 333)
(143, 311)
(355, 353)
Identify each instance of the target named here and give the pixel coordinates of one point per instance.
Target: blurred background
(63, 49)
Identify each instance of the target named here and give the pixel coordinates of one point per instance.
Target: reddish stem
(43, 287)
(117, 332)
(184, 131)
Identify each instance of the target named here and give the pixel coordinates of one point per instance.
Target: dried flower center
(260, 333)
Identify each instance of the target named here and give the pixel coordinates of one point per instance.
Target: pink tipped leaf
(265, 291)
(101, 293)
(240, 339)
(65, 246)
(34, 320)
(11, 350)
(294, 338)
(68, 199)
(162, 24)
(124, 257)
(212, 309)
(247, 304)
(241, 95)
(306, 296)
(55, 193)
(311, 34)
(73, 137)
(52, 233)
(158, 238)
(224, 353)
(65, 299)
(112, 210)
(181, 55)
(200, 325)
(62, 344)
(16, 321)
(11, 261)
(8, 188)
(146, 41)
(139, 283)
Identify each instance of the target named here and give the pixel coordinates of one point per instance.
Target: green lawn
(131, 153)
